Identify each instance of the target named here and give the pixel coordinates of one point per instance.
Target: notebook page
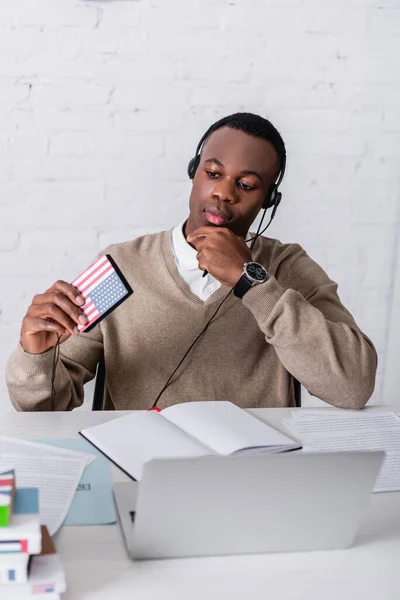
(135, 439)
(226, 428)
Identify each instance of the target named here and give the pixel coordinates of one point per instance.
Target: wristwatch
(253, 274)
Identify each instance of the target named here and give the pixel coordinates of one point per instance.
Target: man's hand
(221, 252)
(55, 313)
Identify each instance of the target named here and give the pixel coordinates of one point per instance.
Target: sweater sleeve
(29, 375)
(314, 335)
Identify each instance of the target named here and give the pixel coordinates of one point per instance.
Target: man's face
(231, 181)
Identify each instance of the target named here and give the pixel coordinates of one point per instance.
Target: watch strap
(242, 286)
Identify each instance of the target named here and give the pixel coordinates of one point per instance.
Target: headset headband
(210, 130)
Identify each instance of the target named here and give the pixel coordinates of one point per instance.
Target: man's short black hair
(256, 126)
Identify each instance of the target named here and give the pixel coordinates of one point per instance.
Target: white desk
(97, 566)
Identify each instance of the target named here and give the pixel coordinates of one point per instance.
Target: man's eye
(245, 187)
(212, 174)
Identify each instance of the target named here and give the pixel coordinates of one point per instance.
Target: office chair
(99, 390)
(297, 392)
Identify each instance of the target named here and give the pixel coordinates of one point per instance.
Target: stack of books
(29, 564)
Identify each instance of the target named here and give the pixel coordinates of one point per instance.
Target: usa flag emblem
(43, 588)
(104, 288)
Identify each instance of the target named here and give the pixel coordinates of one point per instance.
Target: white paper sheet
(133, 440)
(55, 471)
(226, 428)
(330, 431)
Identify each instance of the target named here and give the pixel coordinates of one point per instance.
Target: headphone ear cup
(269, 198)
(192, 166)
(278, 199)
(272, 199)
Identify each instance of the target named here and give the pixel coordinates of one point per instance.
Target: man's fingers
(211, 234)
(202, 259)
(52, 311)
(68, 290)
(196, 240)
(33, 325)
(200, 242)
(56, 313)
(60, 300)
(209, 230)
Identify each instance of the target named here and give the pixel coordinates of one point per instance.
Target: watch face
(256, 271)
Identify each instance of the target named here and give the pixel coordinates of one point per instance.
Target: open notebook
(184, 430)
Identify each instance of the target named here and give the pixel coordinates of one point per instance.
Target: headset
(273, 197)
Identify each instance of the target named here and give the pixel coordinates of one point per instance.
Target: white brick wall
(102, 104)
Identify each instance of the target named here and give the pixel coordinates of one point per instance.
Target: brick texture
(102, 105)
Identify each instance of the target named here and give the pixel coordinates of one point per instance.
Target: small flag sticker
(104, 288)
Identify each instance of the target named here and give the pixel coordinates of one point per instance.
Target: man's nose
(225, 191)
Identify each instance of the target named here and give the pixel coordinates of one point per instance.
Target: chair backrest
(99, 390)
(297, 392)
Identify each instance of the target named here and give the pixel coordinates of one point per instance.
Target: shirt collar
(185, 254)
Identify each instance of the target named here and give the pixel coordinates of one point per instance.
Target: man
(290, 323)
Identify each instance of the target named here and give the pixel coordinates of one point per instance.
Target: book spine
(49, 588)
(7, 496)
(5, 516)
(16, 574)
(17, 546)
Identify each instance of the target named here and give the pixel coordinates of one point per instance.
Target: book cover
(14, 568)
(23, 535)
(26, 501)
(7, 494)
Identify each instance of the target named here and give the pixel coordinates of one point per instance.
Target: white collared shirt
(188, 267)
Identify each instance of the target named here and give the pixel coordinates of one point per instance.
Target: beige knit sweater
(294, 323)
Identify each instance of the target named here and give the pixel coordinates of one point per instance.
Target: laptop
(245, 504)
